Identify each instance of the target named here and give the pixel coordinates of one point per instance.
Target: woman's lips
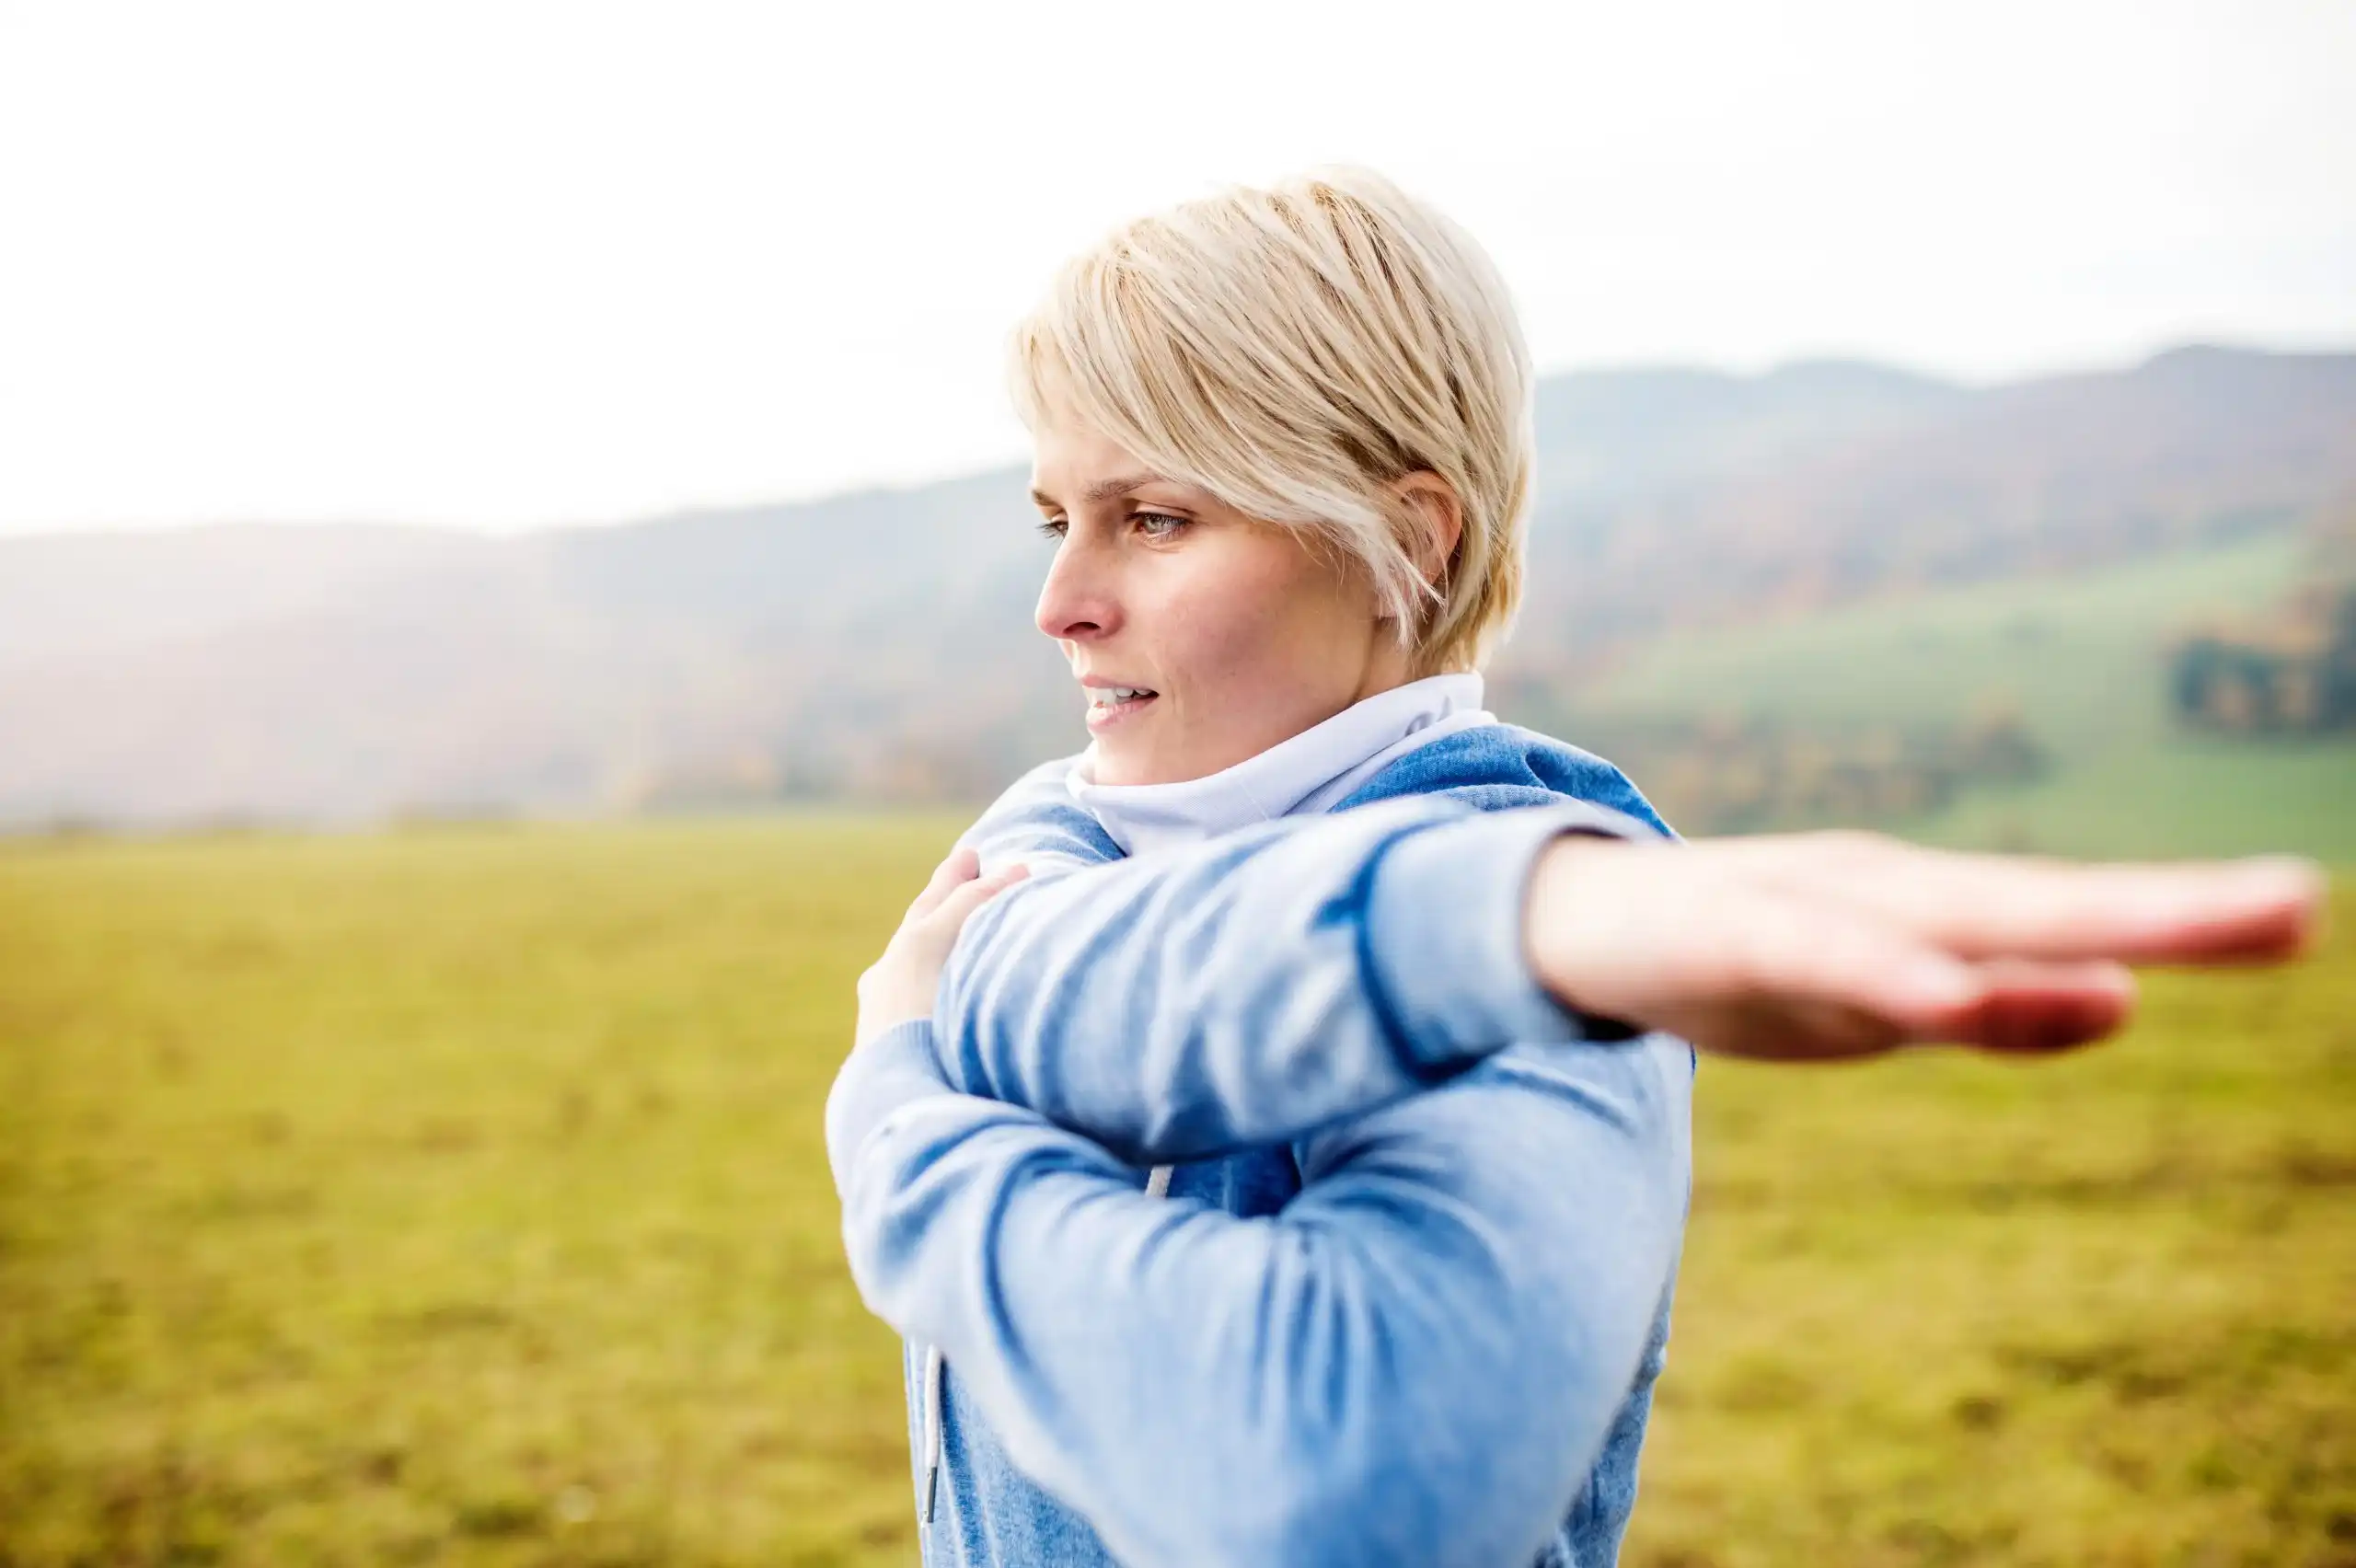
(1104, 716)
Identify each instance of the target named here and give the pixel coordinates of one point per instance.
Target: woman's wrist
(1568, 883)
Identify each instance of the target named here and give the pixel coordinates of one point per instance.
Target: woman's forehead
(1075, 465)
(1064, 449)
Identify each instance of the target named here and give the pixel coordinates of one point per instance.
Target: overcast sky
(505, 265)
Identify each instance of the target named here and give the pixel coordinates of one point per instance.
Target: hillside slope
(2079, 657)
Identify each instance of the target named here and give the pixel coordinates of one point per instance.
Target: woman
(1280, 1156)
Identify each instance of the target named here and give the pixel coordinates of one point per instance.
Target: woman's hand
(1841, 944)
(900, 986)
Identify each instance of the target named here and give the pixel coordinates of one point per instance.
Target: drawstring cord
(1157, 1186)
(932, 1428)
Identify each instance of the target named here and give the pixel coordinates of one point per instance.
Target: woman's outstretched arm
(1417, 1361)
(1250, 988)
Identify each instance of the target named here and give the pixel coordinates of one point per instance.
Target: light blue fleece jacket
(1408, 1291)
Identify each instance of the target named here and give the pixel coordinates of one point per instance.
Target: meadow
(457, 1195)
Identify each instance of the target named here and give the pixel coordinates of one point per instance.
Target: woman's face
(1199, 636)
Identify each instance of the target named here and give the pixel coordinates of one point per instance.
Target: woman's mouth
(1108, 706)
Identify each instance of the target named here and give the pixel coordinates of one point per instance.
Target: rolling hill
(1702, 541)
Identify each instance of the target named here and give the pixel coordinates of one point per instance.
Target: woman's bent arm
(1415, 1361)
(1251, 988)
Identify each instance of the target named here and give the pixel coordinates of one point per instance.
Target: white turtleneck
(1309, 773)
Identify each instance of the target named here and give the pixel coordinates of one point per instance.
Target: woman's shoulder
(1036, 821)
(1496, 767)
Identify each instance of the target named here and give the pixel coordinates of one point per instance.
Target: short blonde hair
(1295, 350)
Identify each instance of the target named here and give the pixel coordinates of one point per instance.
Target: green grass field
(2083, 658)
(457, 1196)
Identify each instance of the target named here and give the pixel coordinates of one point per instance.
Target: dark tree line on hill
(2295, 672)
(2297, 676)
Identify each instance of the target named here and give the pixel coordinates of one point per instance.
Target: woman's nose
(1078, 603)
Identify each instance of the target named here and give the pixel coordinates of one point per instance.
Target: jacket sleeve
(1417, 1362)
(1261, 985)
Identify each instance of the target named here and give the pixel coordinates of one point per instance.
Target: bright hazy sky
(504, 265)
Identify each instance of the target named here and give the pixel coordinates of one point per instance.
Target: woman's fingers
(2036, 1009)
(1994, 906)
(1835, 969)
(962, 900)
(961, 866)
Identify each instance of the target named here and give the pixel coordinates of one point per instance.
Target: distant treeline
(2294, 677)
(2294, 672)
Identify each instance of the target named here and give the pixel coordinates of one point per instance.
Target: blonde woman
(1269, 1129)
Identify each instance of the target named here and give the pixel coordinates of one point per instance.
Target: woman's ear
(1439, 521)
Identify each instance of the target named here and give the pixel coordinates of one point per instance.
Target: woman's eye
(1052, 527)
(1158, 525)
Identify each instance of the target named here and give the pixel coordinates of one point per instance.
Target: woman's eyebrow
(1104, 489)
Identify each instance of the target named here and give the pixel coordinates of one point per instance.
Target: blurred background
(514, 561)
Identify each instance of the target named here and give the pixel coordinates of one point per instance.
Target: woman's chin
(1124, 754)
(1121, 766)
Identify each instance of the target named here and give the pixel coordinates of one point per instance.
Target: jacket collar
(1308, 772)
